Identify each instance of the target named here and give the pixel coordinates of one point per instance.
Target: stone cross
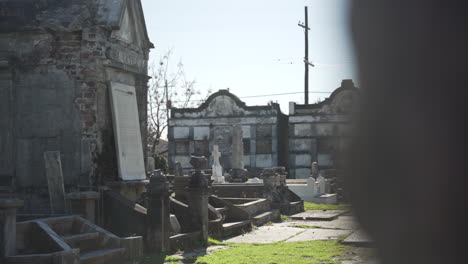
(216, 155)
(217, 170)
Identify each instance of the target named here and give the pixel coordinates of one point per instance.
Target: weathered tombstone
(238, 174)
(311, 186)
(178, 171)
(150, 165)
(127, 132)
(53, 166)
(217, 170)
(315, 170)
(175, 225)
(199, 192)
(158, 225)
(320, 184)
(8, 209)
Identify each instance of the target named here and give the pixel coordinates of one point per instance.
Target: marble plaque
(127, 132)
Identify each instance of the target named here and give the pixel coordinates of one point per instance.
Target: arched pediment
(224, 103)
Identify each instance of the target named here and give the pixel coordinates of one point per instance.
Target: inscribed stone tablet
(127, 132)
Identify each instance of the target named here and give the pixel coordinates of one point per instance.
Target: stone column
(315, 170)
(199, 191)
(269, 182)
(238, 174)
(158, 226)
(84, 204)
(8, 209)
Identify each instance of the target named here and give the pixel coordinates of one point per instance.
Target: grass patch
(314, 206)
(285, 217)
(213, 242)
(172, 259)
(310, 252)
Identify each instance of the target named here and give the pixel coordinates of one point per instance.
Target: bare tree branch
(171, 85)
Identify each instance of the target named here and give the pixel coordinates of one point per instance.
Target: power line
(252, 96)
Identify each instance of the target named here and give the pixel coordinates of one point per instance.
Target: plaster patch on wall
(303, 160)
(324, 160)
(246, 131)
(181, 132)
(246, 160)
(184, 161)
(302, 144)
(263, 161)
(302, 130)
(201, 133)
(302, 173)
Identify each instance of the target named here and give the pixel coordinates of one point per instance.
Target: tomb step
(232, 225)
(71, 239)
(235, 228)
(255, 207)
(103, 256)
(265, 217)
(84, 241)
(296, 207)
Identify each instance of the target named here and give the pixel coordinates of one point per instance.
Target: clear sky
(254, 47)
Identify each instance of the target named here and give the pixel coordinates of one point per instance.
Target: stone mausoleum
(196, 130)
(313, 132)
(319, 132)
(67, 68)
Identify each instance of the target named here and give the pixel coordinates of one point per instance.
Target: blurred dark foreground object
(409, 162)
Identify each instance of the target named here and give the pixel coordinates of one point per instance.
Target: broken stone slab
(359, 238)
(8, 209)
(323, 215)
(319, 234)
(53, 167)
(342, 222)
(175, 225)
(267, 234)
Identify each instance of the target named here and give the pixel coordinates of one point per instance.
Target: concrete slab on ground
(342, 222)
(358, 238)
(266, 234)
(319, 234)
(323, 215)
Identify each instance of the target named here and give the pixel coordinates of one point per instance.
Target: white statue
(217, 170)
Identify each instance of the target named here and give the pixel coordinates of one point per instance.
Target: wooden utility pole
(168, 103)
(305, 25)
